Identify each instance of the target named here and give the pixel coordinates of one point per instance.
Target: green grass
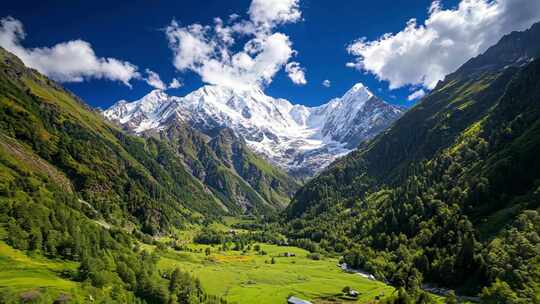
(251, 278)
(232, 220)
(20, 272)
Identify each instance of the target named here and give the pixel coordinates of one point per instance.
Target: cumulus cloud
(71, 61)
(327, 83)
(154, 80)
(270, 13)
(212, 51)
(416, 95)
(296, 73)
(175, 84)
(422, 54)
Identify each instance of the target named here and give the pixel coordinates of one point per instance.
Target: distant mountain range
(301, 140)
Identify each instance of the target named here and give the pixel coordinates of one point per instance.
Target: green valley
(226, 195)
(267, 273)
(82, 204)
(261, 273)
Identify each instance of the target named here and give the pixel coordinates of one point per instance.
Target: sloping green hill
(244, 182)
(75, 195)
(449, 194)
(115, 174)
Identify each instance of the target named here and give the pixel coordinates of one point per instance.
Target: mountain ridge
(299, 139)
(77, 191)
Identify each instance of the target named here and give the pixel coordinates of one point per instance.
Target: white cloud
(233, 17)
(154, 80)
(71, 61)
(422, 54)
(213, 53)
(175, 84)
(189, 44)
(270, 13)
(296, 73)
(416, 95)
(327, 83)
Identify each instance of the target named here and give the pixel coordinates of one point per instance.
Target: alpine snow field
(296, 138)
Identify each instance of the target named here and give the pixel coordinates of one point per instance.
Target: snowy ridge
(300, 139)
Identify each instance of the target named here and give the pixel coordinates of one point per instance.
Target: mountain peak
(358, 91)
(157, 93)
(153, 101)
(358, 86)
(238, 90)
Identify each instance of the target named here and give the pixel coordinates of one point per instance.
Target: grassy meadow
(247, 276)
(239, 277)
(20, 273)
(262, 273)
(251, 277)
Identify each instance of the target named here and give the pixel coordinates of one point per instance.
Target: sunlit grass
(252, 278)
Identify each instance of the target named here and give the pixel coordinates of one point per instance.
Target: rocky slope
(243, 181)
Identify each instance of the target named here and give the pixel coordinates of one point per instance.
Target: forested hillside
(113, 175)
(450, 193)
(243, 181)
(74, 187)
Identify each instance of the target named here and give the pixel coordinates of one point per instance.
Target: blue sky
(134, 31)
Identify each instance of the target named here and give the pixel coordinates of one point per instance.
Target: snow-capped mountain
(300, 139)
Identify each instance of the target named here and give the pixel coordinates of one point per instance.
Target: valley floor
(239, 278)
(252, 278)
(269, 274)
